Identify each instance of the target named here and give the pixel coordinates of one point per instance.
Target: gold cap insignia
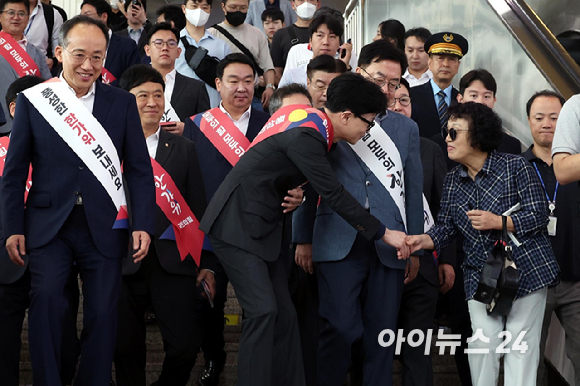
(448, 38)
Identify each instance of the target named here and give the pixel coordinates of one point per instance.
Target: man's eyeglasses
(380, 81)
(171, 43)
(370, 124)
(404, 101)
(11, 13)
(79, 58)
(452, 132)
(235, 8)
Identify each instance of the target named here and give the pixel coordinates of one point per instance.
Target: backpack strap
(240, 46)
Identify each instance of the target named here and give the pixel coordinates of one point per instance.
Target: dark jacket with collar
(424, 110)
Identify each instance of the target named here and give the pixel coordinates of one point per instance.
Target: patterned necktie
(442, 108)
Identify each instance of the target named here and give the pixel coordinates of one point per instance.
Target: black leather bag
(204, 65)
(500, 279)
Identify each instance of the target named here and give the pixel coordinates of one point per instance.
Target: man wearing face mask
(249, 40)
(196, 15)
(294, 34)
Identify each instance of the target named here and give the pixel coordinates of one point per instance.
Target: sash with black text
(81, 131)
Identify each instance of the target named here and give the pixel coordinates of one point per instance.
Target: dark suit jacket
(121, 54)
(9, 272)
(424, 110)
(142, 40)
(59, 175)
(246, 210)
(214, 167)
(178, 157)
(189, 97)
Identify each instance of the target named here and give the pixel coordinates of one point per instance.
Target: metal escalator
(527, 45)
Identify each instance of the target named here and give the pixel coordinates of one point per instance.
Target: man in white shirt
(184, 97)
(325, 32)
(250, 37)
(37, 32)
(418, 71)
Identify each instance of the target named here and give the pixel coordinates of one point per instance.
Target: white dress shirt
(88, 100)
(152, 143)
(301, 54)
(424, 78)
(169, 84)
(241, 123)
(36, 31)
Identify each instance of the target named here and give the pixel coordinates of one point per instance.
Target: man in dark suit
(184, 96)
(360, 281)
(69, 217)
(162, 280)
(236, 104)
(244, 222)
(15, 287)
(138, 26)
(432, 99)
(121, 53)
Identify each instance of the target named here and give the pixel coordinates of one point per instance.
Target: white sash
(378, 151)
(82, 132)
(169, 115)
(427, 216)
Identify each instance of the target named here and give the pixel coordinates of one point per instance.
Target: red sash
(4, 142)
(17, 56)
(107, 76)
(188, 237)
(223, 134)
(293, 116)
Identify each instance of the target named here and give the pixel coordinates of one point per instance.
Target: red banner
(292, 116)
(188, 237)
(17, 56)
(223, 134)
(4, 142)
(107, 77)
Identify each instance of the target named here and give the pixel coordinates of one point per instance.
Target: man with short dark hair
(184, 97)
(82, 130)
(293, 94)
(432, 99)
(13, 20)
(171, 14)
(248, 242)
(197, 14)
(350, 268)
(137, 24)
(418, 71)
(163, 281)
(122, 52)
(272, 21)
(257, 8)
(235, 83)
(325, 36)
(249, 40)
(319, 73)
(543, 110)
(293, 34)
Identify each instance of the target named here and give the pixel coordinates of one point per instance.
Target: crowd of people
(341, 193)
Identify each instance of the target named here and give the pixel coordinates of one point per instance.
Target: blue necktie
(442, 109)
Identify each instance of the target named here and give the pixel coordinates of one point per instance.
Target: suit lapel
(164, 147)
(103, 101)
(178, 88)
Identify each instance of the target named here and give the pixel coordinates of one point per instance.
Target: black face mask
(236, 18)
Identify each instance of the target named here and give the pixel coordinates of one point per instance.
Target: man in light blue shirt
(196, 15)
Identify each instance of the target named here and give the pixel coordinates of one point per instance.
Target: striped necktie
(442, 108)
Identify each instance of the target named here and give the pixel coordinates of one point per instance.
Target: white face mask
(114, 5)
(198, 17)
(306, 11)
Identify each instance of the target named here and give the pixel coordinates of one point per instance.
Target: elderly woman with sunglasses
(476, 193)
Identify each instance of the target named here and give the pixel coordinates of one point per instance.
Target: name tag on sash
(84, 135)
(223, 134)
(107, 76)
(185, 226)
(292, 116)
(17, 56)
(169, 115)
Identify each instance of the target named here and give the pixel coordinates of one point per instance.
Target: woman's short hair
(485, 129)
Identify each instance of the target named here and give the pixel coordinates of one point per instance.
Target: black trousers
(173, 300)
